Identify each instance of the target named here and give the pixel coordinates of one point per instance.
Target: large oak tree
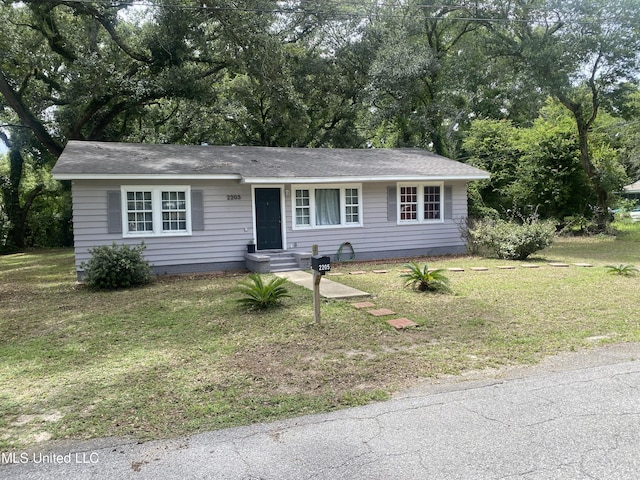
(578, 51)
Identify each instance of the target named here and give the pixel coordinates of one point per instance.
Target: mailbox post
(320, 265)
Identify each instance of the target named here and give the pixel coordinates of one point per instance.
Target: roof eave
(133, 176)
(268, 180)
(344, 179)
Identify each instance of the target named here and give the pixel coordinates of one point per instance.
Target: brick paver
(401, 323)
(359, 305)
(381, 312)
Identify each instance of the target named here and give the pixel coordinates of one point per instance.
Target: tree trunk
(602, 212)
(602, 196)
(17, 213)
(11, 197)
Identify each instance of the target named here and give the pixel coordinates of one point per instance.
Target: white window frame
(420, 193)
(312, 205)
(156, 209)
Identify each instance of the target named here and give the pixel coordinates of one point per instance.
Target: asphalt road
(574, 417)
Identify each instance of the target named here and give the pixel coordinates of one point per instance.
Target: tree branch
(27, 118)
(47, 26)
(595, 98)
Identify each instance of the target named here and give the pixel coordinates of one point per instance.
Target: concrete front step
(283, 262)
(284, 266)
(269, 261)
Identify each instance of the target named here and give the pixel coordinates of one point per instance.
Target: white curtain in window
(327, 206)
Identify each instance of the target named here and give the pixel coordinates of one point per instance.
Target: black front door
(268, 218)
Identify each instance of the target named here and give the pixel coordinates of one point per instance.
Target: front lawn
(182, 356)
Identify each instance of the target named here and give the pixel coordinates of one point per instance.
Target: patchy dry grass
(181, 355)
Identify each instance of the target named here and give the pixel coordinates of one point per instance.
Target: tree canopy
(483, 82)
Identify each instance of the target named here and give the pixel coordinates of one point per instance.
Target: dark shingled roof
(254, 164)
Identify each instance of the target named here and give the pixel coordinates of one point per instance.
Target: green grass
(182, 356)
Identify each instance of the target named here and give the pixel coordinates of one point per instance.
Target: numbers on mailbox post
(321, 264)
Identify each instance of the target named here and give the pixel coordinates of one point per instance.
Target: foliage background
(542, 93)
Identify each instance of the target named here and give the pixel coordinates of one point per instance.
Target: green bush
(579, 225)
(260, 295)
(116, 266)
(423, 279)
(513, 240)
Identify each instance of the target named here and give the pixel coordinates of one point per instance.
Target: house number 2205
(233, 197)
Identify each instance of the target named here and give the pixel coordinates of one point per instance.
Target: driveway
(575, 416)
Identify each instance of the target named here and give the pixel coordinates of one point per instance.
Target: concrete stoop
(277, 261)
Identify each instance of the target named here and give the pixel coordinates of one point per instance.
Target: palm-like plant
(261, 295)
(622, 269)
(423, 279)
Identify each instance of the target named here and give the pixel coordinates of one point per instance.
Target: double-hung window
(174, 211)
(327, 206)
(150, 210)
(420, 203)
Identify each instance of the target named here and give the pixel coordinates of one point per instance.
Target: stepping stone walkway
(381, 312)
(360, 305)
(401, 323)
(397, 323)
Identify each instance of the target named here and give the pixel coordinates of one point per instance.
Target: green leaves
(261, 295)
(512, 240)
(623, 269)
(424, 280)
(116, 266)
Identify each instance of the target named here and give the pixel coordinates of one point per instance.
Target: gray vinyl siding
(228, 226)
(381, 236)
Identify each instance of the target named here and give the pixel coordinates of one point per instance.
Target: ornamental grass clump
(423, 279)
(116, 266)
(260, 295)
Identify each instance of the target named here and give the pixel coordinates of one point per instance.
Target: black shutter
(197, 211)
(114, 212)
(448, 202)
(392, 204)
